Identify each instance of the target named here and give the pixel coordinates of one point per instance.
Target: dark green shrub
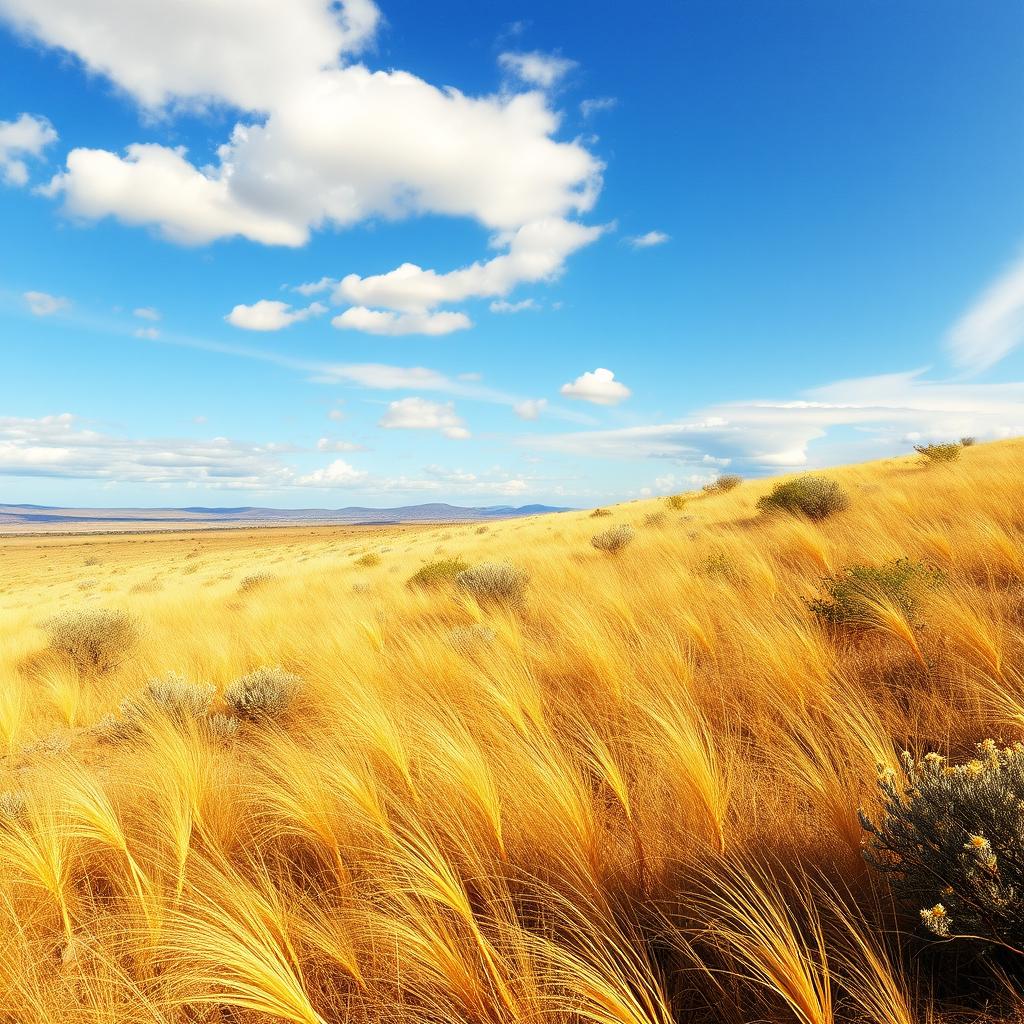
(951, 839)
(813, 496)
(935, 453)
(438, 574)
(852, 595)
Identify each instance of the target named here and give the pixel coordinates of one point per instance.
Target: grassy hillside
(630, 797)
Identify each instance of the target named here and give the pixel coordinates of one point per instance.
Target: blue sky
(329, 254)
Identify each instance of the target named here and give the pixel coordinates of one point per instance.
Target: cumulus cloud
(338, 474)
(44, 304)
(878, 413)
(530, 408)
(271, 315)
(535, 252)
(147, 313)
(994, 325)
(540, 69)
(503, 306)
(242, 52)
(20, 140)
(598, 386)
(387, 322)
(648, 240)
(422, 414)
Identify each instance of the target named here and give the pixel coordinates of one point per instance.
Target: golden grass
(630, 799)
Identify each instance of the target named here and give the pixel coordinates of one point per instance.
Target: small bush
(254, 581)
(968, 442)
(813, 496)
(950, 838)
(936, 453)
(368, 561)
(438, 574)
(655, 519)
(599, 513)
(725, 483)
(468, 639)
(614, 539)
(677, 502)
(222, 728)
(177, 698)
(263, 695)
(495, 583)
(852, 595)
(94, 640)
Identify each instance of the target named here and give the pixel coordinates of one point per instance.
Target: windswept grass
(537, 785)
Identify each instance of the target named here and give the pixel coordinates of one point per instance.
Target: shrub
(177, 698)
(222, 728)
(368, 561)
(950, 839)
(613, 539)
(967, 442)
(92, 639)
(725, 483)
(935, 453)
(254, 581)
(600, 512)
(438, 574)
(813, 496)
(262, 695)
(677, 502)
(495, 583)
(467, 639)
(655, 519)
(852, 595)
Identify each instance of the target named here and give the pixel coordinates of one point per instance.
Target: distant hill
(27, 517)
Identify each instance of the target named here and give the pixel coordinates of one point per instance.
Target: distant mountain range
(22, 517)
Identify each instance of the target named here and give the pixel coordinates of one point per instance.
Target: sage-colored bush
(853, 595)
(725, 483)
(262, 695)
(614, 539)
(495, 583)
(951, 841)
(939, 453)
(94, 640)
(815, 497)
(444, 572)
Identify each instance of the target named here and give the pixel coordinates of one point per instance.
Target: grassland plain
(630, 798)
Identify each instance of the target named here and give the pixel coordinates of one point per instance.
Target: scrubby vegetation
(812, 496)
(725, 483)
(939, 453)
(614, 539)
(553, 788)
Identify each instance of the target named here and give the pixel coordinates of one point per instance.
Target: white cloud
(595, 106)
(377, 321)
(598, 386)
(325, 284)
(846, 421)
(242, 52)
(530, 408)
(994, 325)
(422, 414)
(330, 444)
(541, 69)
(648, 240)
(338, 474)
(20, 140)
(271, 315)
(503, 306)
(536, 252)
(44, 304)
(147, 333)
(147, 313)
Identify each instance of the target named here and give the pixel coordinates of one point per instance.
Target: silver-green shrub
(263, 695)
(94, 640)
(951, 840)
(614, 539)
(495, 583)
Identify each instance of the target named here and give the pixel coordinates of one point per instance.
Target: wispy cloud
(648, 240)
(44, 304)
(994, 325)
